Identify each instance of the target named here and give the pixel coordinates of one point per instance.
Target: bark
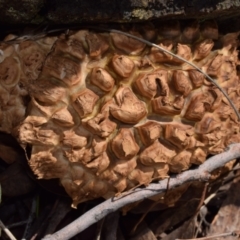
(75, 11)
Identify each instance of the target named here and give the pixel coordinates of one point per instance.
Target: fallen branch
(202, 173)
(6, 230)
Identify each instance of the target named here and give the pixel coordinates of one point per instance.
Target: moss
(14, 11)
(142, 14)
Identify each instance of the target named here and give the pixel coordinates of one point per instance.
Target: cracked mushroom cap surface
(108, 113)
(20, 65)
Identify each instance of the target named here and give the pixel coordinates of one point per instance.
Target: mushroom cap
(106, 113)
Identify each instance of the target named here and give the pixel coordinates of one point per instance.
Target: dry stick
(17, 224)
(200, 205)
(143, 216)
(9, 234)
(202, 173)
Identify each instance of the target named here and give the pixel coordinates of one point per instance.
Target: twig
(234, 234)
(32, 36)
(17, 224)
(202, 173)
(4, 228)
(199, 207)
(144, 215)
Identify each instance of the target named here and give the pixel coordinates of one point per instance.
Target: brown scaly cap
(47, 91)
(196, 106)
(198, 156)
(107, 121)
(63, 117)
(180, 162)
(84, 102)
(162, 105)
(170, 29)
(122, 65)
(12, 94)
(99, 164)
(156, 153)
(102, 79)
(191, 32)
(149, 132)
(72, 46)
(9, 72)
(147, 84)
(128, 108)
(158, 56)
(127, 44)
(181, 82)
(202, 49)
(196, 78)
(182, 136)
(214, 66)
(96, 45)
(124, 145)
(43, 160)
(63, 69)
(183, 51)
(32, 58)
(209, 29)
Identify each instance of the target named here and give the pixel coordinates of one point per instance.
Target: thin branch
(202, 173)
(6, 230)
(17, 224)
(199, 206)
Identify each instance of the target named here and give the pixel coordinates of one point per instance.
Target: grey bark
(79, 11)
